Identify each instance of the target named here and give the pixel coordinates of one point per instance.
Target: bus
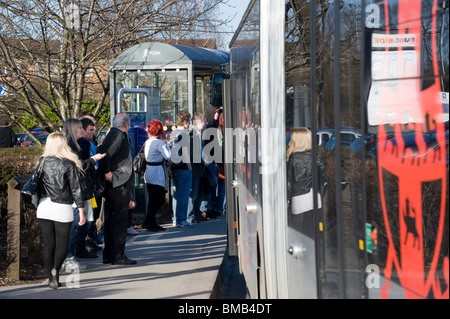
(369, 79)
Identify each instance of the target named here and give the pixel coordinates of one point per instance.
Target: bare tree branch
(48, 46)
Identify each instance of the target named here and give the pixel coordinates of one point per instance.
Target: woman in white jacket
(155, 152)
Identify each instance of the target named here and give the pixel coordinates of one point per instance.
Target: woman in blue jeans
(181, 169)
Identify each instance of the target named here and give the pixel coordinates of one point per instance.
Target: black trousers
(56, 243)
(156, 198)
(116, 220)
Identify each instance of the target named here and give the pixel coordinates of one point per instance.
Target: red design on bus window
(413, 166)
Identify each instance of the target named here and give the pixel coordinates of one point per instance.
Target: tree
(53, 52)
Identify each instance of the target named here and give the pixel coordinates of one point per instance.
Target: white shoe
(185, 223)
(131, 231)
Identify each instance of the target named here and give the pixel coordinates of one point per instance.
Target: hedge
(16, 162)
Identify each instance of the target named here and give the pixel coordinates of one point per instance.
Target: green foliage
(30, 122)
(104, 117)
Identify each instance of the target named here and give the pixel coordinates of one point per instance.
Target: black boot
(54, 279)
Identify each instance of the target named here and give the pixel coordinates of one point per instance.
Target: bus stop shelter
(155, 80)
(173, 77)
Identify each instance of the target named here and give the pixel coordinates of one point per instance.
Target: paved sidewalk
(176, 264)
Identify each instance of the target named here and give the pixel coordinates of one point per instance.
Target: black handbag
(140, 162)
(30, 191)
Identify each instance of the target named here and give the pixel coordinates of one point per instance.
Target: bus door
(232, 220)
(301, 221)
(247, 182)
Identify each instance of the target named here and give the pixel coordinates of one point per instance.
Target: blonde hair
(300, 141)
(70, 128)
(56, 146)
(198, 117)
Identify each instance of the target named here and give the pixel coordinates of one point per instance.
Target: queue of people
(195, 197)
(83, 183)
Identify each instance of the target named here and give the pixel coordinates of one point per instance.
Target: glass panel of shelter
(203, 86)
(174, 90)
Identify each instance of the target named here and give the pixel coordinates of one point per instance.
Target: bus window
(407, 219)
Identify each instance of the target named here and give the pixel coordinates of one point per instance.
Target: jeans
(219, 204)
(181, 190)
(77, 242)
(196, 198)
(207, 199)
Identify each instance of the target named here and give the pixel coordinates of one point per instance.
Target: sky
(234, 10)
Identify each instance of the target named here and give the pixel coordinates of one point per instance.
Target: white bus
(375, 69)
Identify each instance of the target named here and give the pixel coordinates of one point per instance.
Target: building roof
(160, 55)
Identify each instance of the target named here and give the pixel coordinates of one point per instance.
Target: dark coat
(7, 137)
(88, 167)
(60, 182)
(299, 173)
(210, 112)
(117, 159)
(197, 168)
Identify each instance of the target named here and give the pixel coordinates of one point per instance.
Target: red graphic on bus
(417, 274)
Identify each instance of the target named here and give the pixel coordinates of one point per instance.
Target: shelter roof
(157, 55)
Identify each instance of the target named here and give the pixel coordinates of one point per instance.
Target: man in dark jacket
(7, 136)
(197, 163)
(115, 176)
(212, 122)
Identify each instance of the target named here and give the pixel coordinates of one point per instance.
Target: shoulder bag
(140, 162)
(30, 191)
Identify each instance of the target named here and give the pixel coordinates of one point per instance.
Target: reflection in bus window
(369, 79)
(389, 171)
(299, 182)
(409, 74)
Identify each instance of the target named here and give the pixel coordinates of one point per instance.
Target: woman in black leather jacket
(299, 163)
(299, 181)
(59, 189)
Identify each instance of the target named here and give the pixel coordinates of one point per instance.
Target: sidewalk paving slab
(179, 263)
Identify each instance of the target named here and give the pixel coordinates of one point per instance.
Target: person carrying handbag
(299, 180)
(59, 189)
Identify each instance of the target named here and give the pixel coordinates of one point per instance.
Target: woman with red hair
(155, 152)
